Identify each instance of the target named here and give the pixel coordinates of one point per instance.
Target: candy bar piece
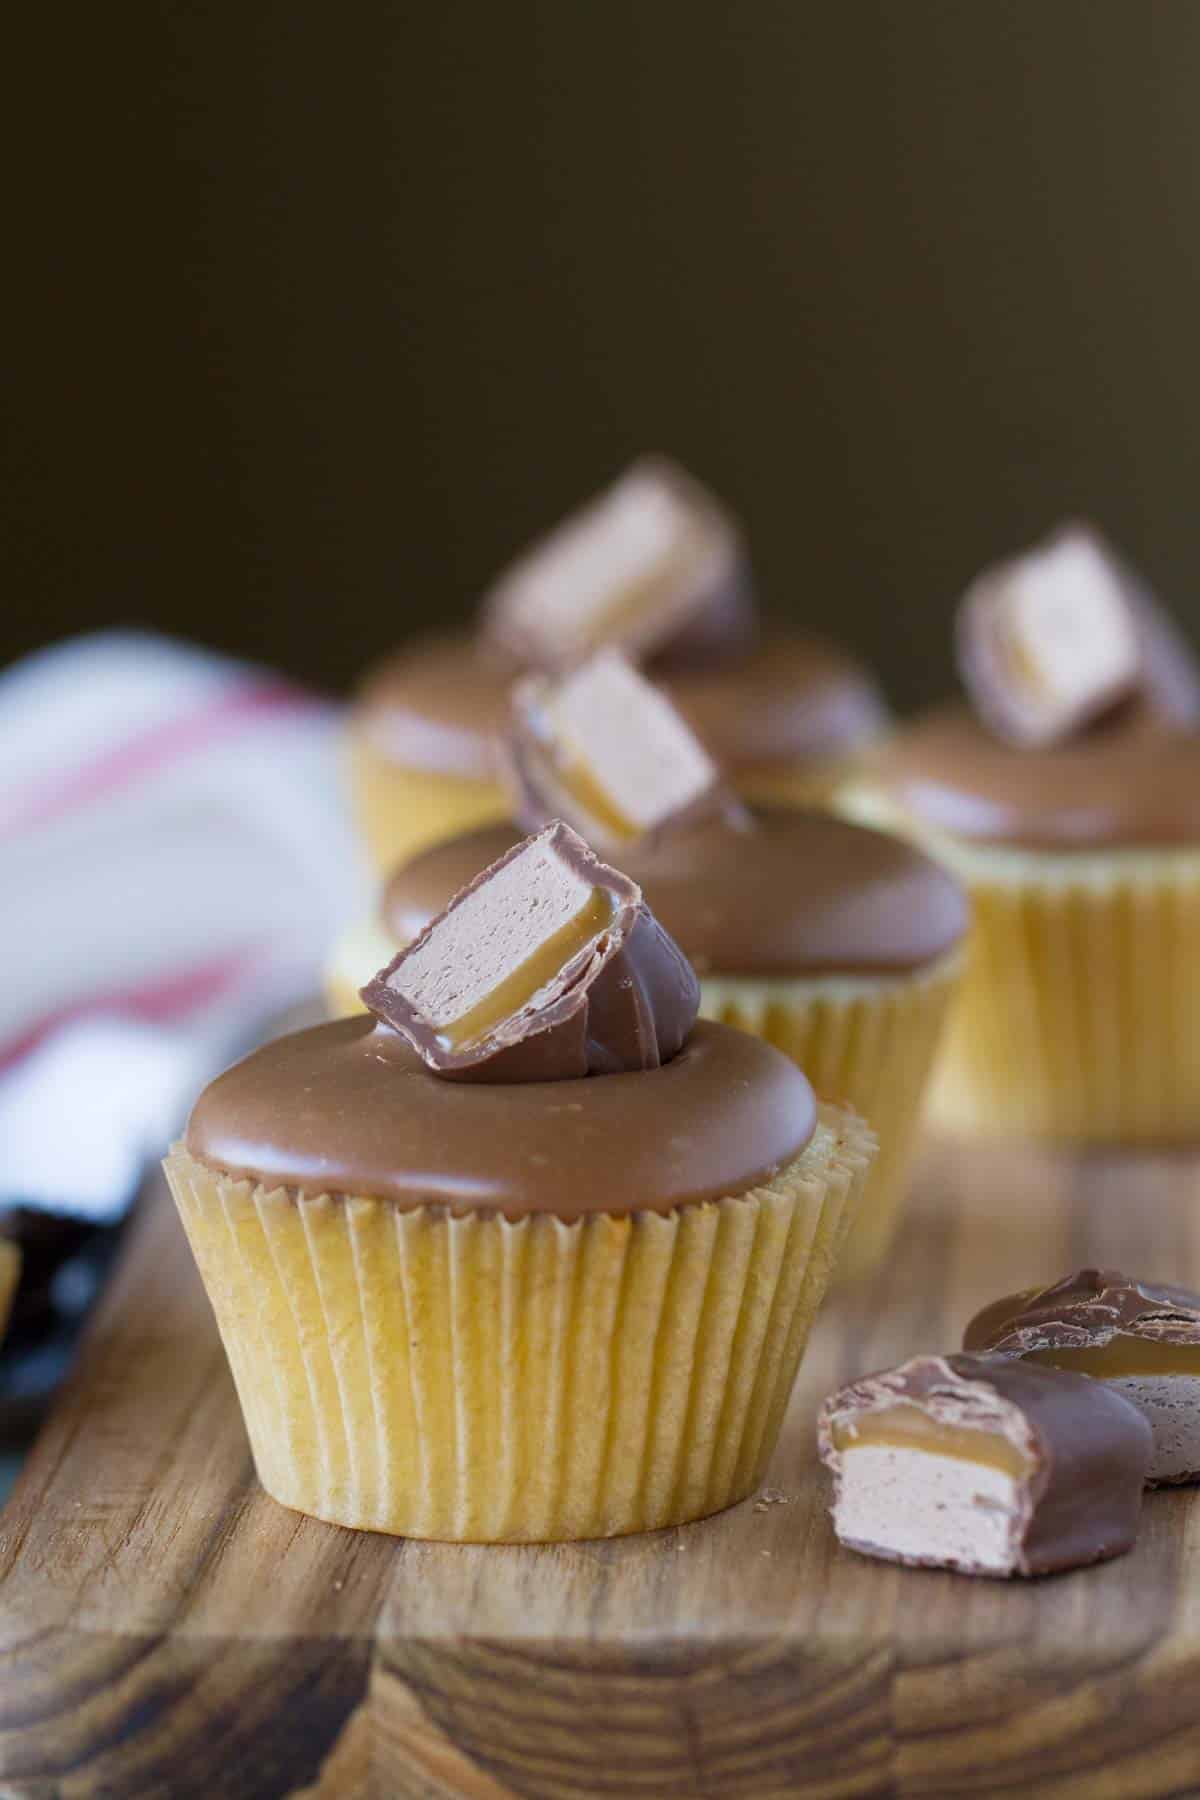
(1141, 1341)
(605, 750)
(549, 965)
(653, 564)
(1050, 640)
(984, 1464)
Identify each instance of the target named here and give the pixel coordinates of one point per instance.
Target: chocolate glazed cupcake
(460, 1304)
(654, 566)
(839, 945)
(1079, 1014)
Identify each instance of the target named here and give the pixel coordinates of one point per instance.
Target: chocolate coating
(1130, 781)
(626, 1001)
(439, 704)
(442, 705)
(349, 1107)
(801, 894)
(1085, 1309)
(792, 700)
(1089, 1449)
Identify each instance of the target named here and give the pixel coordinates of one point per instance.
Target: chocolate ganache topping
(1129, 781)
(443, 705)
(350, 1108)
(801, 894)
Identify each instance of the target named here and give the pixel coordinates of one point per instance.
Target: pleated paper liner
(1079, 1016)
(10, 1270)
(871, 1042)
(402, 811)
(481, 1380)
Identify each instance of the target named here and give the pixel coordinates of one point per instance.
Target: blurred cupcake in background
(838, 944)
(653, 566)
(10, 1271)
(1066, 796)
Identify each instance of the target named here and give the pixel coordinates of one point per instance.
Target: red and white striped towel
(174, 860)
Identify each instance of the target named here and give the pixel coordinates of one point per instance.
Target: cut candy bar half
(653, 564)
(984, 1465)
(1141, 1340)
(547, 966)
(604, 749)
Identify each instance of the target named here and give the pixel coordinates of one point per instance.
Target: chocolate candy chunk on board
(1142, 1341)
(984, 1465)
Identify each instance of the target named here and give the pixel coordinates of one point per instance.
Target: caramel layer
(1122, 1355)
(907, 1427)
(587, 790)
(519, 988)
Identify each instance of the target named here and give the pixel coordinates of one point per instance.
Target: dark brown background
(321, 310)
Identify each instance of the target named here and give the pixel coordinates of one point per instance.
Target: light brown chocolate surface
(348, 1107)
(442, 705)
(1131, 781)
(800, 894)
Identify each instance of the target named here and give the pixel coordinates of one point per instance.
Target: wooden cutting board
(167, 1630)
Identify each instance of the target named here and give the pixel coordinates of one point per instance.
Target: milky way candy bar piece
(606, 750)
(547, 966)
(985, 1465)
(1049, 640)
(1142, 1341)
(653, 564)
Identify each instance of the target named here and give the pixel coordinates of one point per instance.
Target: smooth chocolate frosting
(800, 894)
(1133, 780)
(1089, 1447)
(442, 705)
(350, 1108)
(1087, 1308)
(439, 704)
(792, 699)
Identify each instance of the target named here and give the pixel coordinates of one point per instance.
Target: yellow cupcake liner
(869, 1042)
(484, 1380)
(401, 811)
(10, 1271)
(1078, 1016)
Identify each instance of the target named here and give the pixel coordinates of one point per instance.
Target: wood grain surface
(167, 1630)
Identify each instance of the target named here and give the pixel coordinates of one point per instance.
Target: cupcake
(10, 1269)
(838, 944)
(1067, 799)
(656, 567)
(524, 1253)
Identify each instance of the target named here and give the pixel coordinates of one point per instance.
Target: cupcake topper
(653, 564)
(1053, 639)
(548, 966)
(604, 749)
